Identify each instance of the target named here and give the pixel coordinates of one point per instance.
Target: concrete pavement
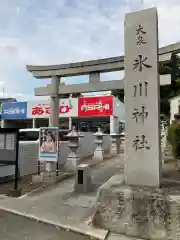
(60, 206)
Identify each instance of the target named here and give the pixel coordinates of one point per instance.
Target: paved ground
(14, 227)
(61, 206)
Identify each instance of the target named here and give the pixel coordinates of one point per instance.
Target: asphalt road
(58, 202)
(14, 227)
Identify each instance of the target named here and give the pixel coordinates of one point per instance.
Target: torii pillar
(54, 113)
(54, 100)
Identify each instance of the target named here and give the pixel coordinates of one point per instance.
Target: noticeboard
(9, 145)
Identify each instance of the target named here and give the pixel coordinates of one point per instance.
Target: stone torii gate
(92, 68)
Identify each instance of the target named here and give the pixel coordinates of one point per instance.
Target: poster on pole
(48, 144)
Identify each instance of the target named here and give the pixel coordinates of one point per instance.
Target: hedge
(174, 139)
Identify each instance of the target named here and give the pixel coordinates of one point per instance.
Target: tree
(119, 93)
(166, 92)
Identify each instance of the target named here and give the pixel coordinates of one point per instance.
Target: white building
(174, 107)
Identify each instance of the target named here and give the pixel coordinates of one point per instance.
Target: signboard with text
(95, 106)
(41, 109)
(14, 110)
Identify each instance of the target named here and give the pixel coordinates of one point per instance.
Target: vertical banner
(48, 144)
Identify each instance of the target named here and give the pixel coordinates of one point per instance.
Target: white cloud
(59, 31)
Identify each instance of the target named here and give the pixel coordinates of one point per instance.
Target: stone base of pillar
(122, 145)
(114, 150)
(141, 212)
(115, 143)
(49, 177)
(50, 166)
(98, 155)
(71, 163)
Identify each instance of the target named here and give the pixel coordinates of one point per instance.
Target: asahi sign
(95, 106)
(92, 107)
(143, 152)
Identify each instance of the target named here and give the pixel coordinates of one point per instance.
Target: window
(29, 136)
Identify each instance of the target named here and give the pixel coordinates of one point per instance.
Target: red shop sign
(40, 110)
(95, 106)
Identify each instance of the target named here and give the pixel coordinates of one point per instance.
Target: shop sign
(95, 106)
(67, 108)
(14, 110)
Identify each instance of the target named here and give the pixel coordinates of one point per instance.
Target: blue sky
(61, 31)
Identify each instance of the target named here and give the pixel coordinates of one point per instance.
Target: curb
(65, 227)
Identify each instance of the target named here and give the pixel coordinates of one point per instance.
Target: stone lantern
(99, 152)
(115, 143)
(74, 157)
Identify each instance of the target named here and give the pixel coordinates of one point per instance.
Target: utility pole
(142, 4)
(3, 92)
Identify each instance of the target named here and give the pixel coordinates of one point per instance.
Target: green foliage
(119, 93)
(174, 139)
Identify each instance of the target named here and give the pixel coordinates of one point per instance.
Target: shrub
(174, 139)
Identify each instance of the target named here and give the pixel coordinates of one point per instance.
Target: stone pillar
(74, 157)
(115, 148)
(70, 123)
(122, 142)
(99, 152)
(54, 114)
(114, 124)
(112, 128)
(33, 123)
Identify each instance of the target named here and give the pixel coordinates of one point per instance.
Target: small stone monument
(73, 158)
(99, 152)
(114, 150)
(83, 182)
